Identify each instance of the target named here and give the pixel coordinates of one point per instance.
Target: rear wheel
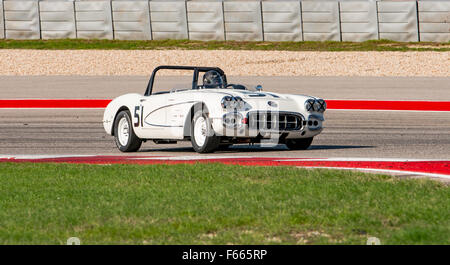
(203, 138)
(299, 144)
(124, 135)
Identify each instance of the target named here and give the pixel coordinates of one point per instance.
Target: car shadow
(328, 147)
(253, 148)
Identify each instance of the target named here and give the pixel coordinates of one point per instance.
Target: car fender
(127, 101)
(210, 101)
(300, 101)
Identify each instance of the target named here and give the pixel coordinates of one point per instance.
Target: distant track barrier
(226, 20)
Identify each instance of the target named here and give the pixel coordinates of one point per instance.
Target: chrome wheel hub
(123, 132)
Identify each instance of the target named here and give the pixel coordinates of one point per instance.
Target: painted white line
(41, 156)
(188, 158)
(387, 171)
(359, 159)
(193, 157)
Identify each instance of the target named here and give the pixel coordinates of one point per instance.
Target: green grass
(381, 45)
(216, 204)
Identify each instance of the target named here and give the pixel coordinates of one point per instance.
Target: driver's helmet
(212, 79)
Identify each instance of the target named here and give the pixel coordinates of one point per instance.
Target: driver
(212, 79)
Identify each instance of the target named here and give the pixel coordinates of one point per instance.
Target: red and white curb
(332, 104)
(420, 167)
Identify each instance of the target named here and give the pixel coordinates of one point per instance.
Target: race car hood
(261, 100)
(263, 95)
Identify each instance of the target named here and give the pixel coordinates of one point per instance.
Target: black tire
(299, 144)
(211, 142)
(133, 142)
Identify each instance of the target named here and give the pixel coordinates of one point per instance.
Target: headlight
(229, 102)
(318, 105)
(309, 105)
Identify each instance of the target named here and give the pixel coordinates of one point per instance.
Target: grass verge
(216, 204)
(76, 44)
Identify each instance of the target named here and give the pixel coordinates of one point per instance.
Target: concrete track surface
(347, 134)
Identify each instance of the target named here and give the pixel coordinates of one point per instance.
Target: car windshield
(242, 86)
(170, 81)
(219, 84)
(232, 86)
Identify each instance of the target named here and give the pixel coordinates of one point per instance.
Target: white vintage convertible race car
(213, 114)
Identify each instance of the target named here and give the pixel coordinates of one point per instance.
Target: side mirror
(258, 88)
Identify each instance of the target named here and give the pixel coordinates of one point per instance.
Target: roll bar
(196, 70)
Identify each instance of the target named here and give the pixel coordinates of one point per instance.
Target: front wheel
(203, 138)
(124, 135)
(299, 144)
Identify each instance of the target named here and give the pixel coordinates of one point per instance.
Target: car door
(178, 106)
(153, 118)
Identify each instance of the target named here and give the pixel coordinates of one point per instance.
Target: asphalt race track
(348, 134)
(381, 88)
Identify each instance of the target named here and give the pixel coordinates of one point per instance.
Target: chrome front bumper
(266, 124)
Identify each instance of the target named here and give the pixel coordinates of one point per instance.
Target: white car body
(168, 116)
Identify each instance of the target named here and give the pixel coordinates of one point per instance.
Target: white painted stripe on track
(294, 159)
(191, 158)
(359, 159)
(287, 159)
(41, 156)
(187, 158)
(386, 171)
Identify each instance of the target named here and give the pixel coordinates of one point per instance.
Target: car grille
(278, 121)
